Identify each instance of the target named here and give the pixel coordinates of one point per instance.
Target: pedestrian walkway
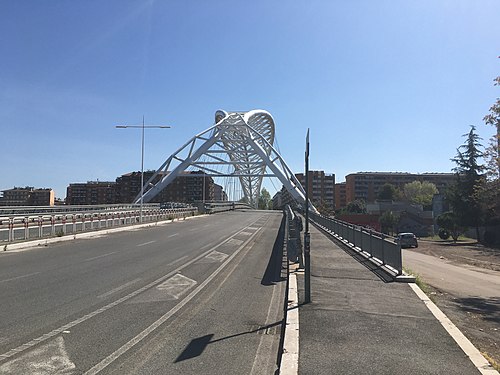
(360, 322)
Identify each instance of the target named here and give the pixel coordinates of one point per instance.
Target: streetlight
(142, 154)
(307, 235)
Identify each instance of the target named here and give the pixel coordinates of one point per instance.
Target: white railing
(23, 227)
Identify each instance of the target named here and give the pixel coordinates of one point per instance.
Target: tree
(418, 192)
(388, 192)
(264, 199)
(356, 207)
(323, 207)
(492, 152)
(463, 195)
(388, 222)
(450, 222)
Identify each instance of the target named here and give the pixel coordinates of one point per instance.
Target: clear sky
(383, 85)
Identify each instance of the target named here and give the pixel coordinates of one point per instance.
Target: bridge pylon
(238, 145)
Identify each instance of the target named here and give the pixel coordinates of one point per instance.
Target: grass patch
(492, 362)
(420, 283)
(438, 239)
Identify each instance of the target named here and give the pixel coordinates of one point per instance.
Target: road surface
(198, 296)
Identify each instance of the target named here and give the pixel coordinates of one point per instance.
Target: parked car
(407, 240)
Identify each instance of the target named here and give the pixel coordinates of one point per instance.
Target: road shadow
(272, 274)
(488, 308)
(198, 345)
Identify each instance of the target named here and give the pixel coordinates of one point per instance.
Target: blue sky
(383, 85)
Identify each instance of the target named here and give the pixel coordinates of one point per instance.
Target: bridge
(93, 290)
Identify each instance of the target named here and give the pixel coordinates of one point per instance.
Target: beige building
(366, 185)
(27, 196)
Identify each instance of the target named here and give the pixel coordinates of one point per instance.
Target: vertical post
(307, 237)
(142, 171)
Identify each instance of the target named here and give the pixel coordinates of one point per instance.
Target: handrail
(23, 228)
(377, 245)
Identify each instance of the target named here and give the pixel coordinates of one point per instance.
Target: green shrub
(443, 234)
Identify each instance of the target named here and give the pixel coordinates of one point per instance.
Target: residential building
(366, 185)
(91, 193)
(219, 193)
(340, 195)
(27, 196)
(278, 201)
(188, 187)
(321, 188)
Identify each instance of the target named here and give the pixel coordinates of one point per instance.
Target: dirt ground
(477, 318)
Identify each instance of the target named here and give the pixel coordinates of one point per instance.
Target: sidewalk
(362, 323)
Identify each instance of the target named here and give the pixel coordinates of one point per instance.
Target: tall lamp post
(142, 154)
(307, 236)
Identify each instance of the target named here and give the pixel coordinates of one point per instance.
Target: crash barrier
(215, 207)
(376, 245)
(294, 244)
(32, 226)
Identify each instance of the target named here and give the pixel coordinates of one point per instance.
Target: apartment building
(340, 195)
(27, 196)
(321, 188)
(91, 192)
(189, 187)
(367, 185)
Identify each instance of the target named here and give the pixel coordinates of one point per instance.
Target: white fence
(26, 226)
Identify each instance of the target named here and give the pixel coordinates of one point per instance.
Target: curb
(290, 358)
(463, 342)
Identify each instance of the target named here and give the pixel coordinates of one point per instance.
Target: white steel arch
(242, 140)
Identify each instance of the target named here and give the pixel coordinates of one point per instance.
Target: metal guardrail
(31, 210)
(32, 226)
(294, 244)
(214, 207)
(376, 245)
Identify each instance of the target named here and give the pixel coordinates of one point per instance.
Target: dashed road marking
(214, 257)
(146, 243)
(117, 289)
(235, 242)
(100, 256)
(19, 277)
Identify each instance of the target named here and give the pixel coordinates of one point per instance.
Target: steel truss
(242, 140)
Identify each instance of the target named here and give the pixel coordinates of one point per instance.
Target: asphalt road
(198, 296)
(465, 281)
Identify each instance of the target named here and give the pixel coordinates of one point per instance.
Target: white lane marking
(235, 242)
(177, 285)
(246, 233)
(290, 358)
(470, 350)
(146, 243)
(51, 358)
(208, 245)
(127, 346)
(90, 315)
(99, 256)
(173, 235)
(261, 360)
(214, 257)
(117, 289)
(19, 277)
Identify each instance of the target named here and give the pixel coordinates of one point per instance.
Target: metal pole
(142, 172)
(307, 237)
(142, 127)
